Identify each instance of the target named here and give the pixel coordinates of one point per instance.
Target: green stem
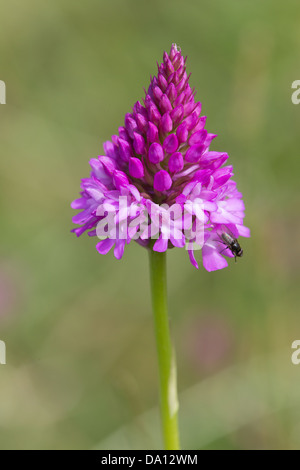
(166, 355)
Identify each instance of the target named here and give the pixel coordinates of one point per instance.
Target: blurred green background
(81, 365)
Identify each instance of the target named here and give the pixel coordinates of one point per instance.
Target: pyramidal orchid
(161, 157)
(158, 183)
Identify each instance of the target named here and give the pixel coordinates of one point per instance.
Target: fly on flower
(228, 239)
(161, 157)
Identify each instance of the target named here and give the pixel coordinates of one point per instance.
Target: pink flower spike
(162, 156)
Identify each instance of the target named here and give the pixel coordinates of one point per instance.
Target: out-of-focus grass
(78, 328)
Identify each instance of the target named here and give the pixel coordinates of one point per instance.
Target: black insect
(232, 243)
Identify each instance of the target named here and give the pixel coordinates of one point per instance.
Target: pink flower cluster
(161, 157)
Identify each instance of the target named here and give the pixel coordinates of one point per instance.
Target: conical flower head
(158, 183)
